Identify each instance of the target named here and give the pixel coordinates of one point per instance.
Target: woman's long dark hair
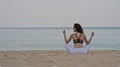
(78, 28)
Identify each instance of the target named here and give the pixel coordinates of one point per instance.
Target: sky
(59, 13)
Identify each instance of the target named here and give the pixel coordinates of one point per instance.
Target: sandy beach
(59, 58)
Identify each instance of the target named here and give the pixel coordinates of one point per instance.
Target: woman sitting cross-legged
(78, 39)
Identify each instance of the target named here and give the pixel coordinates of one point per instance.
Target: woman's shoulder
(83, 35)
(72, 34)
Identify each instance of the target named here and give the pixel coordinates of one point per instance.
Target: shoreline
(28, 50)
(59, 58)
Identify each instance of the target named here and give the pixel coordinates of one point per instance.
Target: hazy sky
(59, 13)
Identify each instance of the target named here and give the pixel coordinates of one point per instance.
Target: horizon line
(54, 27)
(48, 26)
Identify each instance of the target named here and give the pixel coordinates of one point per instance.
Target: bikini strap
(80, 36)
(76, 36)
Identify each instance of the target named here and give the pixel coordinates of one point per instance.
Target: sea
(51, 38)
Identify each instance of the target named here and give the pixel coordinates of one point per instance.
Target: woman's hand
(89, 40)
(92, 34)
(64, 32)
(65, 37)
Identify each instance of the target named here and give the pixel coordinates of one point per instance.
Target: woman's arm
(65, 37)
(88, 41)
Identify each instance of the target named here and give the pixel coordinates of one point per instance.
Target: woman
(78, 38)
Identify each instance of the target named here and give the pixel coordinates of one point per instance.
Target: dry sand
(59, 58)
